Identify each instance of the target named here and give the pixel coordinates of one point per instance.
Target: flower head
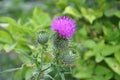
(64, 26)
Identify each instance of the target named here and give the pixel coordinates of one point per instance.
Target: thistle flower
(64, 26)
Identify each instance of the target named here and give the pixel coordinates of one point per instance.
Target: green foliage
(97, 40)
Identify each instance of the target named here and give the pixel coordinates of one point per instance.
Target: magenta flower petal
(64, 26)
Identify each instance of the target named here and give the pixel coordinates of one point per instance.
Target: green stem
(62, 76)
(58, 64)
(60, 73)
(42, 61)
(38, 78)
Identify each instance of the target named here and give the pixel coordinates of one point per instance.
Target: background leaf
(113, 64)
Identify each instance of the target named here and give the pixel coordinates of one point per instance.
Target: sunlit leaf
(99, 57)
(112, 12)
(97, 51)
(88, 55)
(5, 37)
(117, 55)
(23, 52)
(72, 11)
(40, 18)
(89, 43)
(84, 70)
(20, 74)
(103, 72)
(108, 50)
(8, 20)
(113, 64)
(31, 72)
(9, 48)
(89, 14)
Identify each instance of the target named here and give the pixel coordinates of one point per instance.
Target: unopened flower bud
(69, 57)
(42, 37)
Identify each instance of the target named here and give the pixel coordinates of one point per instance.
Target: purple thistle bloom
(64, 26)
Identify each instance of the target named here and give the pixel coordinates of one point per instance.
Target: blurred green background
(97, 38)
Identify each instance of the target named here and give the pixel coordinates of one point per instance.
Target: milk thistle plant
(64, 29)
(46, 49)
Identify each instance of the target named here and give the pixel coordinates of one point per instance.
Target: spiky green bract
(69, 57)
(42, 37)
(60, 43)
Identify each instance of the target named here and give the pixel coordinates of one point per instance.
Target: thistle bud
(60, 43)
(69, 57)
(42, 37)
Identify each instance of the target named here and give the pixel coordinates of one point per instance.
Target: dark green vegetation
(97, 39)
